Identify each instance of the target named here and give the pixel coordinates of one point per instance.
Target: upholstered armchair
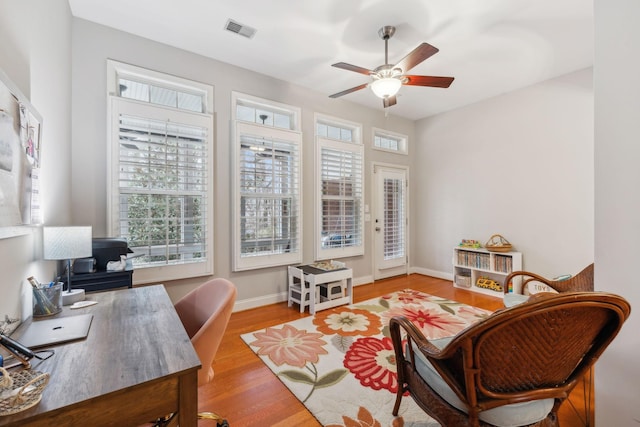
(514, 368)
(205, 313)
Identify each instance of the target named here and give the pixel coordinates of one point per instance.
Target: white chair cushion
(512, 415)
(511, 299)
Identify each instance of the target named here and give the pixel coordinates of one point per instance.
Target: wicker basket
(20, 390)
(497, 243)
(463, 280)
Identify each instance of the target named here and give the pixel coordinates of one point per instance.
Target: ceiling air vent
(238, 28)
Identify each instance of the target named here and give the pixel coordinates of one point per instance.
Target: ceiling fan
(388, 78)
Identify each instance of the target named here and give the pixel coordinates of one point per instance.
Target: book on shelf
(503, 263)
(474, 259)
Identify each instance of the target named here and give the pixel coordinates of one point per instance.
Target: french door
(390, 237)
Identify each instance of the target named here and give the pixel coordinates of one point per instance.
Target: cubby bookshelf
(471, 264)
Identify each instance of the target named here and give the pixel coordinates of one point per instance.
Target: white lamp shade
(66, 242)
(386, 87)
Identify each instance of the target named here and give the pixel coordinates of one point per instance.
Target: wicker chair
(514, 368)
(581, 282)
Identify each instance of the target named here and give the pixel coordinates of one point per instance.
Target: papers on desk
(82, 304)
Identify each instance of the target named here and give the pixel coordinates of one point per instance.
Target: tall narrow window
(160, 193)
(267, 213)
(340, 194)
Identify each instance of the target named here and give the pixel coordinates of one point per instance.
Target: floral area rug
(340, 362)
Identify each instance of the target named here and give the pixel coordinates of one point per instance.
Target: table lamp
(67, 243)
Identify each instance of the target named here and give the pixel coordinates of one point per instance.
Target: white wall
(540, 134)
(519, 165)
(617, 201)
(94, 44)
(35, 53)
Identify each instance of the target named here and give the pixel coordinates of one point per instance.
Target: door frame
(375, 191)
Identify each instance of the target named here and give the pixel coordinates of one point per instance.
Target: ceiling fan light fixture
(386, 87)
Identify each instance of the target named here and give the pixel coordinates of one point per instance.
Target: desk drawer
(92, 282)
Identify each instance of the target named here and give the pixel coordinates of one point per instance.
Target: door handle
(377, 228)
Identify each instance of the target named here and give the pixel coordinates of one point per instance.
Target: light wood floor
(247, 393)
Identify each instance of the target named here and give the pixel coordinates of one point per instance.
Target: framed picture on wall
(20, 139)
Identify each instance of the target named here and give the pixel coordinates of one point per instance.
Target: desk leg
(350, 289)
(188, 400)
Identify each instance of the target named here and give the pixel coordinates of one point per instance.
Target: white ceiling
(490, 46)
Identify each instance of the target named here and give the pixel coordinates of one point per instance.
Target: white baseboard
(249, 303)
(432, 273)
(365, 280)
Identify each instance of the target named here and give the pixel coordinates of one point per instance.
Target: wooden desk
(136, 364)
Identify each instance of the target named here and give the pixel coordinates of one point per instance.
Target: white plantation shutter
(394, 226)
(341, 198)
(161, 166)
(268, 217)
(269, 189)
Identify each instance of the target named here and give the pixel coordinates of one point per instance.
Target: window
(267, 213)
(339, 188)
(250, 110)
(155, 94)
(160, 192)
(394, 219)
(389, 141)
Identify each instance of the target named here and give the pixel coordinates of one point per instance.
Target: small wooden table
(315, 277)
(137, 364)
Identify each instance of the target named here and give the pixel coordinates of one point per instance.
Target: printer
(104, 249)
(107, 249)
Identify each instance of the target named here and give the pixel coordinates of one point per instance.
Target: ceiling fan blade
(389, 101)
(350, 67)
(429, 81)
(419, 54)
(344, 92)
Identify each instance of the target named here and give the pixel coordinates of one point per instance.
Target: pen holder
(47, 301)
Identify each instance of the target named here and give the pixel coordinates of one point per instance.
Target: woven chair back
(539, 349)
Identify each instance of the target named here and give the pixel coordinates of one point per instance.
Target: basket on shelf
(20, 390)
(497, 243)
(463, 280)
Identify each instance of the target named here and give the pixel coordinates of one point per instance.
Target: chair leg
(166, 421)
(399, 394)
(220, 422)
(172, 421)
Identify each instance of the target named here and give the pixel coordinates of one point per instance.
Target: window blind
(341, 187)
(163, 184)
(394, 212)
(269, 196)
